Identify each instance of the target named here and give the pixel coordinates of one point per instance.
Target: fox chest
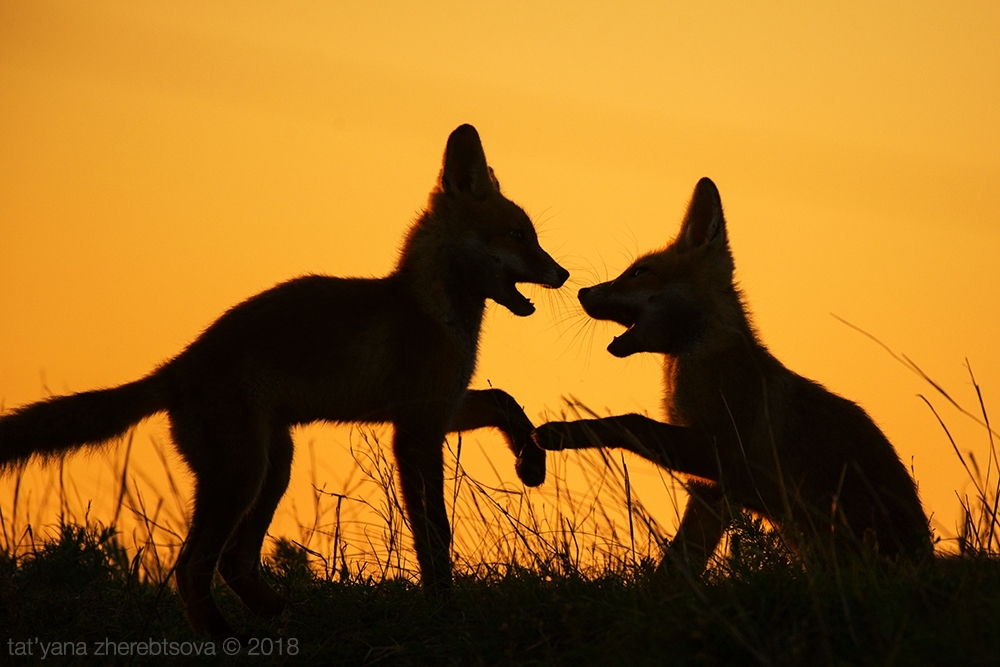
(710, 399)
(465, 348)
(436, 363)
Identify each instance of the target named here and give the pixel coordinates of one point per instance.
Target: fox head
(669, 299)
(490, 242)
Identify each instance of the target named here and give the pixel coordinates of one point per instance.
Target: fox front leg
(678, 448)
(420, 463)
(497, 408)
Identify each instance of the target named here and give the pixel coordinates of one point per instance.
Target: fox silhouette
(746, 431)
(399, 349)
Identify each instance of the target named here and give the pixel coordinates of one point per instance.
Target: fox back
(357, 349)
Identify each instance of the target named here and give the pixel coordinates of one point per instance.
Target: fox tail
(62, 424)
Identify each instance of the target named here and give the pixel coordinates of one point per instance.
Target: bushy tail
(64, 423)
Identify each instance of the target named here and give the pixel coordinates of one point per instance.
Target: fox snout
(539, 269)
(558, 277)
(602, 303)
(533, 265)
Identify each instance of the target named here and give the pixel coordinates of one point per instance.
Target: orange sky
(161, 162)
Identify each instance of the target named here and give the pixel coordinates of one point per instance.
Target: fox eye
(638, 271)
(517, 235)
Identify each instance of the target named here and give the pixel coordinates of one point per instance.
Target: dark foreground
(78, 600)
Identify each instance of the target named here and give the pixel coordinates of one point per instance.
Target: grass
(757, 607)
(570, 585)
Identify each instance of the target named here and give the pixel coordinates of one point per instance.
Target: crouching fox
(746, 431)
(399, 349)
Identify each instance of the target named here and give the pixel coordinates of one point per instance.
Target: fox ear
(704, 223)
(465, 168)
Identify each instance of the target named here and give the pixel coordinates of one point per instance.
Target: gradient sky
(160, 162)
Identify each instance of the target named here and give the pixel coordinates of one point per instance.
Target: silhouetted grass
(564, 586)
(760, 607)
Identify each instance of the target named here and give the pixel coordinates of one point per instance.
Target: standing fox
(399, 349)
(750, 432)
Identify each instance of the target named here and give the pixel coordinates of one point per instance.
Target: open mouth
(628, 328)
(624, 316)
(514, 301)
(626, 343)
(623, 344)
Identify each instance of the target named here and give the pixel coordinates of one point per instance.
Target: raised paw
(530, 465)
(551, 436)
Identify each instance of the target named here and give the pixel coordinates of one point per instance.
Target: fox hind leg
(240, 561)
(702, 526)
(229, 461)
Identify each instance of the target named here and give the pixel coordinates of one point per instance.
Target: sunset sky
(160, 162)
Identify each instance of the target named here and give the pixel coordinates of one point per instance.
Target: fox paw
(530, 465)
(551, 436)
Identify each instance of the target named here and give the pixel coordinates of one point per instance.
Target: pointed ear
(704, 223)
(465, 168)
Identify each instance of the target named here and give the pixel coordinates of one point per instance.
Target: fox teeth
(627, 329)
